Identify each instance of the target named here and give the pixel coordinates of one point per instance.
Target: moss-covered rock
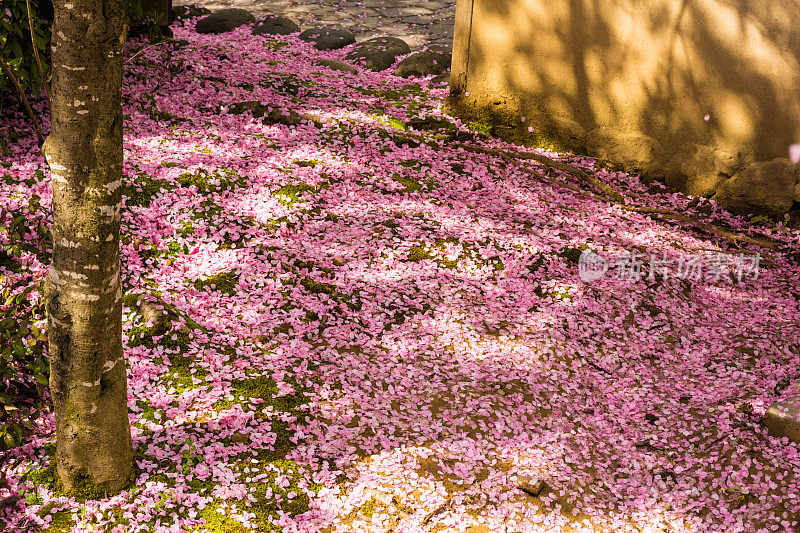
(143, 189)
(224, 282)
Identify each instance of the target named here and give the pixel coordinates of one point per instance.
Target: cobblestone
(419, 23)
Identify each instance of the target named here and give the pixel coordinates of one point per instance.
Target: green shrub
(23, 365)
(16, 45)
(16, 48)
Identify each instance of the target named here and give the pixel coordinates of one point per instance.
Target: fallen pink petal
(347, 311)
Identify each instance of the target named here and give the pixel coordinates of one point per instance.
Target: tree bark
(83, 292)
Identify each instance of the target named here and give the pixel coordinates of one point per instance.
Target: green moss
(187, 229)
(141, 336)
(411, 185)
(763, 218)
(130, 300)
(497, 263)
(392, 122)
(174, 248)
(266, 505)
(61, 520)
(418, 252)
(159, 115)
(222, 404)
(207, 181)
(84, 488)
(573, 254)
(537, 264)
(177, 341)
(292, 85)
(208, 209)
(148, 413)
(265, 389)
(143, 189)
(553, 293)
(307, 162)
(395, 95)
(437, 250)
(44, 476)
(368, 509)
(290, 194)
(412, 163)
(9, 263)
(317, 287)
(257, 387)
(480, 127)
(221, 523)
(198, 178)
(181, 365)
(275, 45)
(310, 265)
(224, 282)
(431, 123)
(501, 122)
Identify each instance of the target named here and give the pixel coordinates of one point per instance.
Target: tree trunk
(83, 293)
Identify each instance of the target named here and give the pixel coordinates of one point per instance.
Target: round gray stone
(224, 20)
(782, 419)
(379, 53)
(426, 63)
(187, 12)
(327, 38)
(338, 65)
(441, 79)
(275, 25)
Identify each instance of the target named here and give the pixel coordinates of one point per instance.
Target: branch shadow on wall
(714, 72)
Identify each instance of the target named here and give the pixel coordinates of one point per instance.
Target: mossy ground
(142, 190)
(278, 485)
(505, 125)
(207, 182)
(224, 282)
(292, 193)
(438, 252)
(290, 497)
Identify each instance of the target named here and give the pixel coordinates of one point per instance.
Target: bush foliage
(16, 46)
(23, 362)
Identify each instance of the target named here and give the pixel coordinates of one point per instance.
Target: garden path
(418, 22)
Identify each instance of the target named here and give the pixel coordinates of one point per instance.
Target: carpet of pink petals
(453, 349)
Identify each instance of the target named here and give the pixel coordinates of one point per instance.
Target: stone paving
(418, 22)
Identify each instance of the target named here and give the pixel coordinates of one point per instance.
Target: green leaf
(16, 49)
